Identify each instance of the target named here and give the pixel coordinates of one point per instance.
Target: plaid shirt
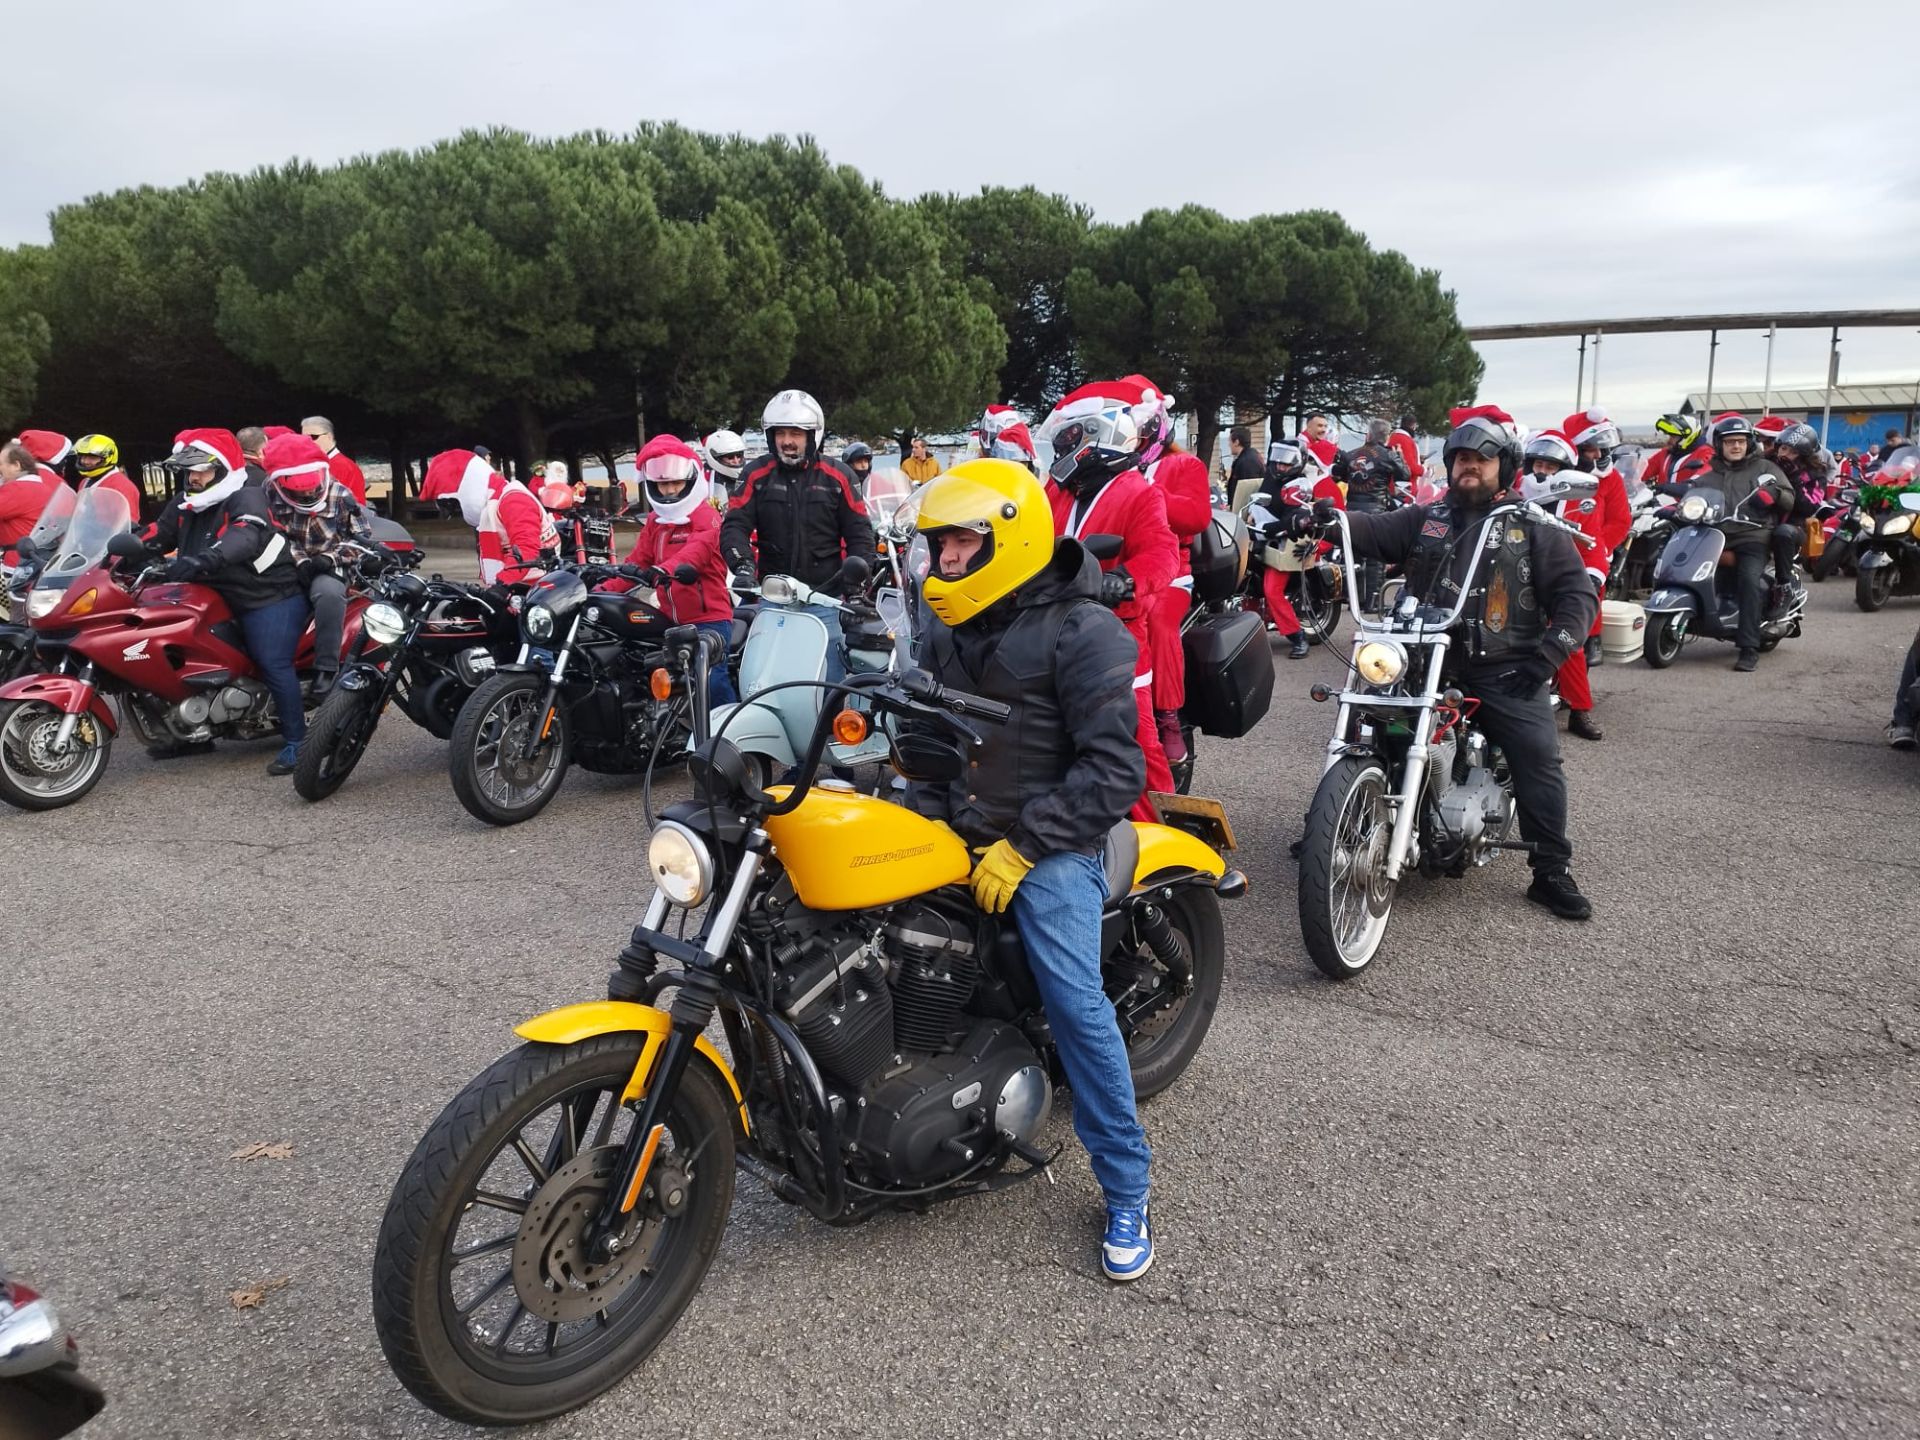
(338, 519)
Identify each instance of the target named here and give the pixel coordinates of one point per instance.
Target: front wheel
(1873, 588)
(1345, 897)
(1666, 633)
(508, 752)
(1830, 560)
(35, 773)
(1163, 1017)
(485, 1303)
(337, 737)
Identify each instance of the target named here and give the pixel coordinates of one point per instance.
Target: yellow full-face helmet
(1003, 504)
(95, 455)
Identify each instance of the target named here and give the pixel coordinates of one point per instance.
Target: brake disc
(551, 1272)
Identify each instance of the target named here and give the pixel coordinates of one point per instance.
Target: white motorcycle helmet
(797, 410)
(726, 454)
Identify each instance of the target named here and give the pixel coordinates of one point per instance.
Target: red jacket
(517, 521)
(348, 474)
(1181, 479)
(1408, 451)
(1606, 517)
(1661, 466)
(696, 543)
(21, 502)
(1131, 507)
(117, 480)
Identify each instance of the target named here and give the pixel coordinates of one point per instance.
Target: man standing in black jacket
(1021, 623)
(1530, 607)
(1370, 473)
(803, 511)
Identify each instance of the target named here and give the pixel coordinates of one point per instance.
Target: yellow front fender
(1164, 848)
(572, 1023)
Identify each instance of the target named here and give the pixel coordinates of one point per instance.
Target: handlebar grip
(992, 711)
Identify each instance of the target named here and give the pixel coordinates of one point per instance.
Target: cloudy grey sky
(1553, 162)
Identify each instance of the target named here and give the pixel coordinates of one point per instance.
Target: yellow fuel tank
(852, 852)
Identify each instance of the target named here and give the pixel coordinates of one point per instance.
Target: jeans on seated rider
(320, 517)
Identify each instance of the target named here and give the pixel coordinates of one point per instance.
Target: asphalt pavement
(1651, 1175)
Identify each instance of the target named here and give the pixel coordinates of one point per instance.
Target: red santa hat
(274, 432)
(462, 475)
(1460, 414)
(194, 449)
(1772, 425)
(49, 447)
(1005, 436)
(294, 462)
(1325, 452)
(1590, 427)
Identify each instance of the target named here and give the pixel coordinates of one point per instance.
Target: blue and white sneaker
(1127, 1250)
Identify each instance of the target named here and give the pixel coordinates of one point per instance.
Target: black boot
(1300, 649)
(1581, 723)
(1748, 662)
(1555, 890)
(323, 682)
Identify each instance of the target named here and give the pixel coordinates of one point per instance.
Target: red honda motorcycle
(170, 653)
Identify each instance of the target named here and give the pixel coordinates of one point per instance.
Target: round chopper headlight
(1380, 662)
(1693, 509)
(681, 864)
(383, 622)
(539, 622)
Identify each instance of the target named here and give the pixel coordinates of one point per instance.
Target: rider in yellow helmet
(97, 459)
(1022, 623)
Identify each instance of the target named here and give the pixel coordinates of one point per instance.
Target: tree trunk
(531, 437)
(1207, 431)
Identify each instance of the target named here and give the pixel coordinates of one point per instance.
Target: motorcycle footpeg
(1039, 1162)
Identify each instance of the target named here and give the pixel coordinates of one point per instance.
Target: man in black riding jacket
(1370, 472)
(1020, 621)
(1530, 607)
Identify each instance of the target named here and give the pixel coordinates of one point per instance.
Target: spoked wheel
(485, 1302)
(1318, 606)
(1164, 1014)
(1345, 897)
(508, 753)
(337, 737)
(1666, 633)
(36, 773)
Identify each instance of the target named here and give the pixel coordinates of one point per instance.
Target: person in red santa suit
(51, 451)
(1605, 518)
(679, 548)
(1003, 435)
(1293, 480)
(23, 495)
(1187, 498)
(1768, 430)
(515, 535)
(1095, 487)
(319, 429)
(1408, 449)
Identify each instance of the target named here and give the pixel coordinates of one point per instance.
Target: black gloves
(685, 574)
(743, 576)
(1526, 678)
(1305, 521)
(1116, 587)
(313, 565)
(187, 567)
(653, 576)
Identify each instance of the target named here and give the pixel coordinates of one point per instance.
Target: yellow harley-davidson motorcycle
(885, 1046)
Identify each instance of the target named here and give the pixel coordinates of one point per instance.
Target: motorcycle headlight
(383, 623)
(1693, 509)
(473, 665)
(1380, 662)
(1897, 525)
(1866, 524)
(539, 622)
(43, 602)
(681, 864)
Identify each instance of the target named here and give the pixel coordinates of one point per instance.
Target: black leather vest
(1030, 755)
(1502, 621)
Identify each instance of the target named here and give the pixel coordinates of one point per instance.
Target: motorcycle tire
(337, 736)
(1873, 588)
(471, 1166)
(1663, 641)
(25, 783)
(491, 716)
(1160, 1053)
(1830, 561)
(1349, 823)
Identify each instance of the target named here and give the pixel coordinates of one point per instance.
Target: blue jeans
(720, 689)
(273, 634)
(1057, 908)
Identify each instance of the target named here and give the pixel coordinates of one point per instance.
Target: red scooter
(170, 653)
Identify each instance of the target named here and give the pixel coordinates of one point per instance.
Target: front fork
(693, 1007)
(63, 736)
(550, 701)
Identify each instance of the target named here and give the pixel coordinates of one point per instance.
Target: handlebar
(923, 687)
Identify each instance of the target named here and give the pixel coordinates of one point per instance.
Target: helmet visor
(1480, 435)
(671, 469)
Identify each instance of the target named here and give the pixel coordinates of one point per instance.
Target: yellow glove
(998, 875)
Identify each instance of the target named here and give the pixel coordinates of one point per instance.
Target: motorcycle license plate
(1203, 818)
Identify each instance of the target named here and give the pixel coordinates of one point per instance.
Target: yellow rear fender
(573, 1023)
(1164, 849)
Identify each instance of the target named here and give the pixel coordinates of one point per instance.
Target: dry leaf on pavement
(250, 1298)
(263, 1150)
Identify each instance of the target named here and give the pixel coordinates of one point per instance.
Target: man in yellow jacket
(920, 467)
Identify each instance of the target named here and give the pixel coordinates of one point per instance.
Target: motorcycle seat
(1118, 859)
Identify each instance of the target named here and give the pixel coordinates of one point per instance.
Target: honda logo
(135, 651)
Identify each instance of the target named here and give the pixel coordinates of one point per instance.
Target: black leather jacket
(1370, 472)
(806, 520)
(1067, 767)
(1532, 595)
(253, 561)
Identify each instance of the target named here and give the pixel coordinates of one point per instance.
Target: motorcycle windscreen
(98, 516)
(1690, 556)
(784, 645)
